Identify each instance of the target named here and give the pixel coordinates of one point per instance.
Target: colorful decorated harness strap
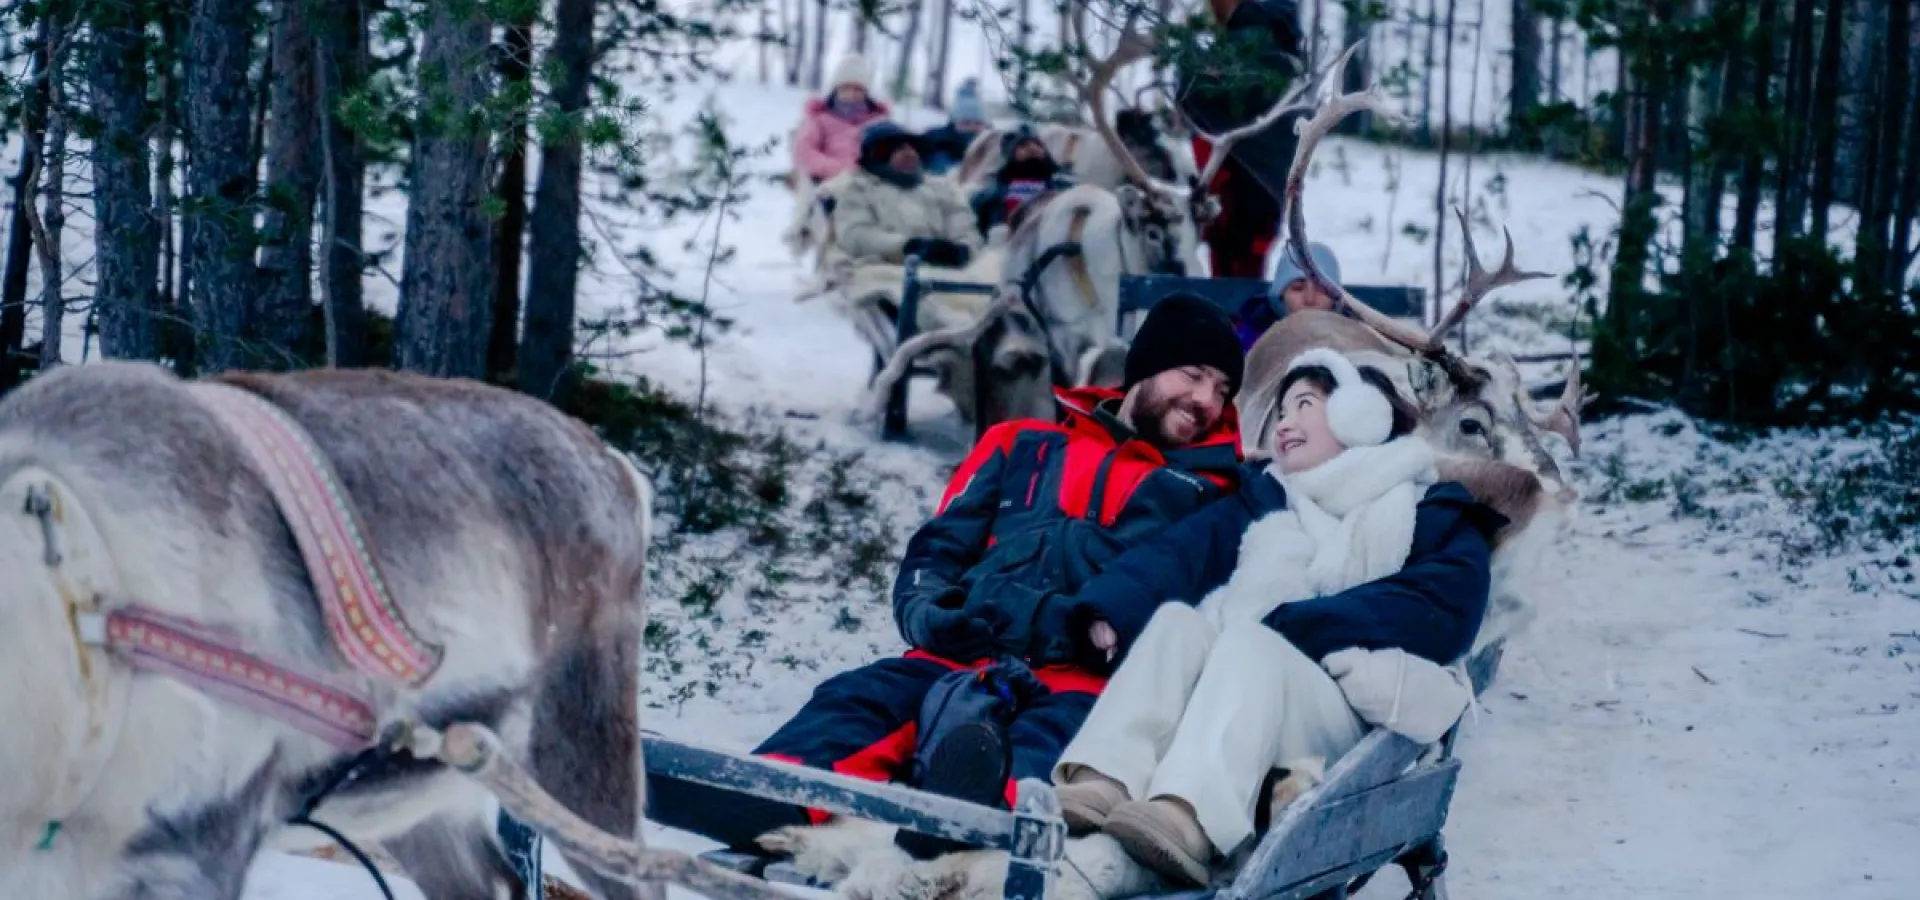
(367, 627)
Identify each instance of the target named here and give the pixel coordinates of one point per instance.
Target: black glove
(960, 635)
(1062, 635)
(938, 252)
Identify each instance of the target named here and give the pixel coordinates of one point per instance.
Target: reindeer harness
(366, 627)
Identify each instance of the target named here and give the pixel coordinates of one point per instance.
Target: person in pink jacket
(828, 141)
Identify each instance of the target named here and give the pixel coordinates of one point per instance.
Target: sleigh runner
(1384, 803)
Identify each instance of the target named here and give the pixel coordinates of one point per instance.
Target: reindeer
(1475, 413)
(182, 689)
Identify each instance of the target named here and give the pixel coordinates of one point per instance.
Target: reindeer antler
(1564, 418)
(1480, 282)
(1132, 47)
(1302, 98)
(1293, 218)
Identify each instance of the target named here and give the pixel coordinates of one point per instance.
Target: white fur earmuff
(1357, 413)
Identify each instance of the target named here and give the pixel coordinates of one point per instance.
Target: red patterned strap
(367, 627)
(162, 644)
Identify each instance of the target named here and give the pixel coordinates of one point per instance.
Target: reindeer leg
(456, 857)
(585, 745)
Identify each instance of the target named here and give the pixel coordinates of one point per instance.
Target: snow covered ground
(1708, 706)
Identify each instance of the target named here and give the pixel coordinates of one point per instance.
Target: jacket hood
(1217, 450)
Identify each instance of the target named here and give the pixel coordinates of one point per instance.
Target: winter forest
(592, 202)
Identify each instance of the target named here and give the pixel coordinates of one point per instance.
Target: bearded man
(1035, 511)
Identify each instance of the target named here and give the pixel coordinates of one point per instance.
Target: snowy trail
(1605, 763)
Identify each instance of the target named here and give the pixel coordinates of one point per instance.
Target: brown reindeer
(510, 539)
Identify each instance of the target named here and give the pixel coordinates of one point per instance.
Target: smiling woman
(1305, 436)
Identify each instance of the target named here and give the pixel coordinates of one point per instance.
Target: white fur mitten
(1399, 691)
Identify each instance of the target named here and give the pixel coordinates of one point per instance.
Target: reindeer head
(1168, 240)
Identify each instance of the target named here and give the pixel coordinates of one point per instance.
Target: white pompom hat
(1357, 412)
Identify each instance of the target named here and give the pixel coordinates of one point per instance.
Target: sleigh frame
(1383, 803)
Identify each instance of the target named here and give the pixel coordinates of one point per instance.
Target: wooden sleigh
(1384, 803)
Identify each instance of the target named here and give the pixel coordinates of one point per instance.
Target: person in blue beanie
(1290, 291)
(948, 144)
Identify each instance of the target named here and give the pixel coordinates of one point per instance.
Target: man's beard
(1168, 422)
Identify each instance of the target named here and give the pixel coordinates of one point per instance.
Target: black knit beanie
(1185, 330)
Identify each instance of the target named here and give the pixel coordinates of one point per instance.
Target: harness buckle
(90, 628)
(40, 506)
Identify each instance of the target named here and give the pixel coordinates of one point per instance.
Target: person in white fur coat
(1276, 625)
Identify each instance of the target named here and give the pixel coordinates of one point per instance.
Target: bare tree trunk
(1357, 28)
(516, 72)
(937, 74)
(795, 22)
(1526, 63)
(860, 27)
(1881, 260)
(903, 69)
(1319, 29)
(766, 30)
(172, 332)
(1637, 221)
(1826, 127)
(293, 181)
(1557, 31)
(818, 71)
(53, 192)
(1618, 138)
(1446, 144)
(341, 42)
(1712, 92)
(13, 282)
(1791, 202)
(218, 213)
(1023, 75)
(1426, 79)
(1746, 221)
(546, 349)
(1903, 250)
(126, 235)
(446, 284)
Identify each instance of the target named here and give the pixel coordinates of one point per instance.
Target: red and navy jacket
(1039, 508)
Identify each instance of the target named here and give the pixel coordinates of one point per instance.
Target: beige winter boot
(1087, 798)
(1164, 835)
